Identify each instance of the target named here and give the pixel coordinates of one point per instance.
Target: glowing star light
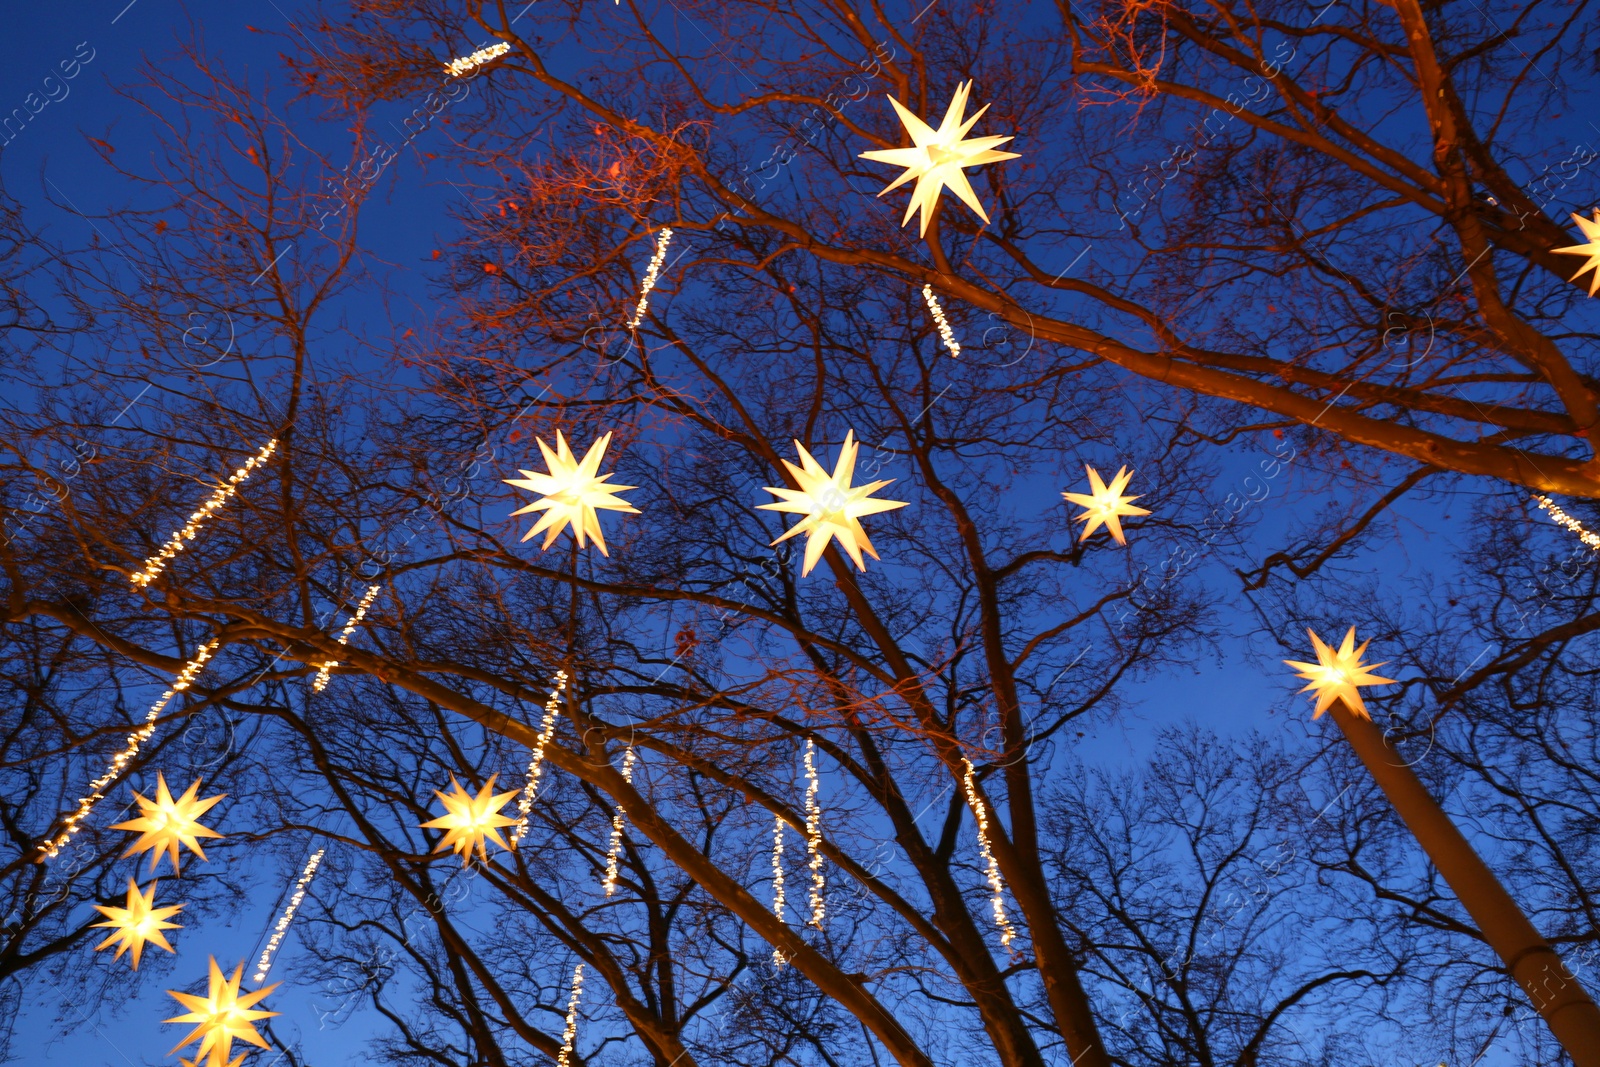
(471, 822)
(1338, 675)
(1591, 230)
(1106, 505)
(831, 505)
(937, 157)
(571, 493)
(138, 922)
(164, 823)
(221, 1016)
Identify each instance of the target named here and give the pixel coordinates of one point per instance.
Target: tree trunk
(1567, 1009)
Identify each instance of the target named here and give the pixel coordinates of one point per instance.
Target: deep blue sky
(1238, 690)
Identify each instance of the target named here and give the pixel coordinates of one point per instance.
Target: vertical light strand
(945, 332)
(72, 823)
(175, 544)
(614, 853)
(652, 272)
(814, 835)
(264, 964)
(547, 730)
(320, 682)
(777, 881)
(1007, 933)
(1563, 519)
(569, 1034)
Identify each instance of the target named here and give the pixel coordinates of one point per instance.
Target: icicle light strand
(614, 853)
(1007, 932)
(536, 764)
(320, 683)
(569, 1035)
(72, 823)
(777, 880)
(458, 67)
(945, 333)
(1563, 519)
(175, 544)
(650, 275)
(264, 964)
(814, 835)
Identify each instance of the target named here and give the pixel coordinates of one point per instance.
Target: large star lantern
(572, 493)
(1591, 230)
(165, 823)
(136, 923)
(1338, 675)
(221, 1016)
(831, 505)
(937, 157)
(471, 822)
(1105, 504)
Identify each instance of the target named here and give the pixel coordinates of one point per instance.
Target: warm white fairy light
(979, 813)
(175, 544)
(651, 273)
(1561, 517)
(814, 835)
(536, 764)
(947, 334)
(569, 1035)
(320, 682)
(777, 881)
(72, 823)
(264, 964)
(614, 853)
(458, 67)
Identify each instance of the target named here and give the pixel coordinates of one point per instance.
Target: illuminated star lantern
(221, 1016)
(470, 822)
(937, 157)
(831, 505)
(137, 923)
(1591, 230)
(164, 823)
(1105, 503)
(571, 493)
(1338, 675)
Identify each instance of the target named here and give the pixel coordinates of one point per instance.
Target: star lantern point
(1104, 504)
(833, 508)
(1338, 675)
(471, 822)
(220, 1017)
(937, 157)
(572, 493)
(164, 823)
(139, 921)
(1591, 230)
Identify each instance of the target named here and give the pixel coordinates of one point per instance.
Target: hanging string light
(569, 1035)
(264, 964)
(1563, 519)
(320, 683)
(458, 67)
(614, 853)
(814, 835)
(73, 822)
(175, 544)
(945, 332)
(777, 881)
(651, 273)
(1007, 932)
(547, 730)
